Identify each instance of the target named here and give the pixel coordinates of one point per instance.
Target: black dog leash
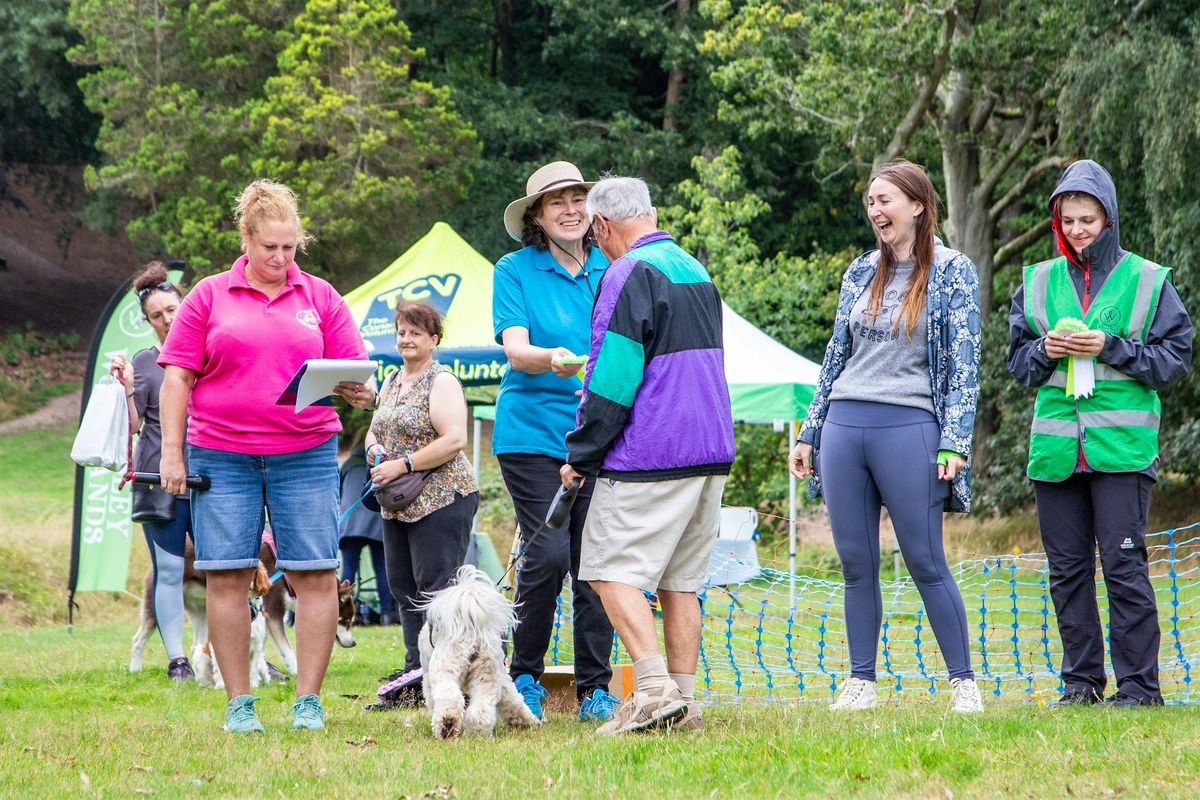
(556, 516)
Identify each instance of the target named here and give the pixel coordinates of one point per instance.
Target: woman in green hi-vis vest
(1094, 459)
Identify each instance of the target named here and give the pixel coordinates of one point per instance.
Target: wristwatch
(407, 462)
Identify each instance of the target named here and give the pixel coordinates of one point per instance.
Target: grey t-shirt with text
(885, 364)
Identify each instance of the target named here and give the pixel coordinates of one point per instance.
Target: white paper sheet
(317, 377)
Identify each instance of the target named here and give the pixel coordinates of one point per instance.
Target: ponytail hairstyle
(266, 201)
(153, 278)
(911, 179)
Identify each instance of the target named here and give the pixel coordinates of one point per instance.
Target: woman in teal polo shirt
(541, 310)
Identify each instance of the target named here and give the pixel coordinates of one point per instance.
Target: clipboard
(314, 382)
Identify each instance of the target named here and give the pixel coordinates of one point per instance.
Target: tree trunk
(969, 226)
(675, 76)
(506, 41)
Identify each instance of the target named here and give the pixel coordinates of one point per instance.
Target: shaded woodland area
(756, 124)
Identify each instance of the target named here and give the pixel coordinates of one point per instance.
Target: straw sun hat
(553, 177)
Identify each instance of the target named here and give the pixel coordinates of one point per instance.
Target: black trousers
(422, 557)
(1109, 510)
(532, 480)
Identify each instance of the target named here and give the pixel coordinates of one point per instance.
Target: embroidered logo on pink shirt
(309, 318)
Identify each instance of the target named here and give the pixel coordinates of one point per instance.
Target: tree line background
(755, 122)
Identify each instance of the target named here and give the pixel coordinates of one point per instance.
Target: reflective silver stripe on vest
(1055, 427)
(1147, 281)
(1118, 419)
(1103, 373)
(1035, 297)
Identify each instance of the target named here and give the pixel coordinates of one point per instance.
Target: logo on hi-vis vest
(378, 328)
(1127, 544)
(1110, 318)
(309, 319)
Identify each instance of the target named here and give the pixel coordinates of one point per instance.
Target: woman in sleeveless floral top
(421, 424)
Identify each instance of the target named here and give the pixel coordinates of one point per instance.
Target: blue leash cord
(370, 488)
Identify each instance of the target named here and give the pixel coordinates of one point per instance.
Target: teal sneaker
(240, 716)
(307, 713)
(600, 707)
(533, 693)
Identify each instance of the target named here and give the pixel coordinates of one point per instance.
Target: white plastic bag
(103, 438)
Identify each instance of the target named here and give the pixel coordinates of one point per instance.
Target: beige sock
(686, 684)
(651, 675)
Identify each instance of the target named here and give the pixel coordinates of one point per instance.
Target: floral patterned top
(953, 321)
(402, 425)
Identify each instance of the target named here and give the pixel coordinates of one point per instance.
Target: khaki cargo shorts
(655, 535)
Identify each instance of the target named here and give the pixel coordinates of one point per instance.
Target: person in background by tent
(362, 530)
(421, 424)
(541, 310)
(1093, 460)
(237, 340)
(166, 519)
(892, 420)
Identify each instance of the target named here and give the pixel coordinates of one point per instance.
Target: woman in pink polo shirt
(238, 339)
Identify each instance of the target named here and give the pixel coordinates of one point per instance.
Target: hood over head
(1089, 177)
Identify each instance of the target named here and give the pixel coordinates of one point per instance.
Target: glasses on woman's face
(165, 286)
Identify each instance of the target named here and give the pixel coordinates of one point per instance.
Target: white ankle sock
(686, 684)
(651, 675)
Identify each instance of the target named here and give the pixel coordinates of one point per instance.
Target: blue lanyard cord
(370, 488)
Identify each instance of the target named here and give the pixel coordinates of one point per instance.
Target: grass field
(76, 723)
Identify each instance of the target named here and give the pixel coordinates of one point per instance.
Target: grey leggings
(873, 455)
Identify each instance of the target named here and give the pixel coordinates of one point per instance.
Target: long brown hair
(911, 179)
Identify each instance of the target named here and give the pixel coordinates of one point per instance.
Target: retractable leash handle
(200, 483)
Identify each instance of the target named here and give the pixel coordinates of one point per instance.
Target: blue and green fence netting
(760, 645)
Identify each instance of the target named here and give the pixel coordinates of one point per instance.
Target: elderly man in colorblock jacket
(655, 431)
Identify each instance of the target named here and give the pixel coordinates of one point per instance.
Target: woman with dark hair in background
(166, 519)
(542, 314)
(421, 424)
(892, 419)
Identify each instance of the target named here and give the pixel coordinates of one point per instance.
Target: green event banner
(103, 532)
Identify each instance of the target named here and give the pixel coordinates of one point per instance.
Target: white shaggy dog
(462, 653)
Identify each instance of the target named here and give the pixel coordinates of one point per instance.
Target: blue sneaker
(307, 713)
(600, 707)
(533, 693)
(240, 716)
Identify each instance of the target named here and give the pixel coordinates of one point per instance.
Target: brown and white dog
(273, 598)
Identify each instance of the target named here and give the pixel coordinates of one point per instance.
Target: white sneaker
(967, 699)
(855, 694)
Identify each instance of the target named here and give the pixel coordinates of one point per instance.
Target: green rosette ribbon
(1081, 372)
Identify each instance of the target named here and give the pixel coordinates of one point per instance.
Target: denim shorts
(299, 490)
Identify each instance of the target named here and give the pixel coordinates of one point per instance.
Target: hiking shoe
(643, 711)
(1078, 696)
(308, 714)
(1123, 700)
(532, 693)
(404, 689)
(180, 670)
(691, 721)
(240, 716)
(967, 699)
(855, 694)
(601, 706)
